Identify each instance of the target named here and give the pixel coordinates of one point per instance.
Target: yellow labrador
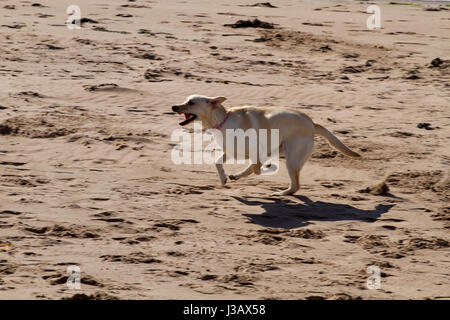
(296, 132)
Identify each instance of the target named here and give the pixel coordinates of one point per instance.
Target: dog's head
(199, 107)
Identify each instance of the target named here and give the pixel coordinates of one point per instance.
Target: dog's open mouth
(189, 118)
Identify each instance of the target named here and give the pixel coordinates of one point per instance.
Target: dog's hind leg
(253, 168)
(297, 151)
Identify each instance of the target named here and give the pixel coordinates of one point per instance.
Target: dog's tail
(334, 141)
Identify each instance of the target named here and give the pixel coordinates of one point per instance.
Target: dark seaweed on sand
(256, 23)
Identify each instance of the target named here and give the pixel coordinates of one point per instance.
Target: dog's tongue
(186, 116)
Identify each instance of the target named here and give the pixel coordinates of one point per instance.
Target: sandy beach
(87, 180)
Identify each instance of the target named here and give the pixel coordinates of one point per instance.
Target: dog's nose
(175, 108)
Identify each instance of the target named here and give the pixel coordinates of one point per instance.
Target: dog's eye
(190, 103)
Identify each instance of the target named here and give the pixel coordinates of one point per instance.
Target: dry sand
(86, 177)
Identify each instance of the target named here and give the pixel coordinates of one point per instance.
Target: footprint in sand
(61, 279)
(133, 258)
(71, 231)
(173, 224)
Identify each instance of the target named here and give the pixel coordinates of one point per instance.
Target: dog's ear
(217, 100)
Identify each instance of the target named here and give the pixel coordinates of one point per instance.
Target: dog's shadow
(287, 214)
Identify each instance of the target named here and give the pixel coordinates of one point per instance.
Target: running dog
(296, 132)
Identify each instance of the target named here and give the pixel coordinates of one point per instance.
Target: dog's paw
(223, 180)
(283, 193)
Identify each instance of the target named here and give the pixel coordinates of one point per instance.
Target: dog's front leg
(220, 171)
(252, 168)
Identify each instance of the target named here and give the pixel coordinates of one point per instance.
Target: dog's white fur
(296, 132)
